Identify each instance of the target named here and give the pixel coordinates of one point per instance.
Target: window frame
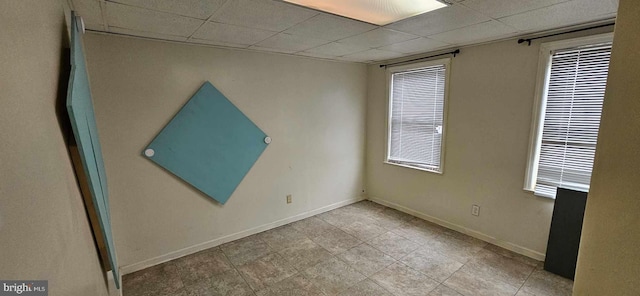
(414, 66)
(540, 100)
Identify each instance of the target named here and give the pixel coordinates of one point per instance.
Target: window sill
(413, 167)
(532, 191)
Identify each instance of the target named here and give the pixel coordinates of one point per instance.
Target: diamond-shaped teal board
(209, 144)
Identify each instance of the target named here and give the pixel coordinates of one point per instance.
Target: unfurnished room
(319, 147)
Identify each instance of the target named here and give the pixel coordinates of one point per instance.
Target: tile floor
(360, 249)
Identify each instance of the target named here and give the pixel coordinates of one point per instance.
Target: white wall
(608, 263)
(44, 229)
(487, 137)
(314, 111)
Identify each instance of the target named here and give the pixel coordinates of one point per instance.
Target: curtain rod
(528, 40)
(454, 53)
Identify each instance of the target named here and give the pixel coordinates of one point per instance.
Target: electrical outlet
(475, 210)
(288, 198)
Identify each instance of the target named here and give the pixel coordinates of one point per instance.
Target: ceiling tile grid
(377, 38)
(563, 14)
(441, 20)
(500, 8)
(276, 26)
(476, 33)
(296, 43)
(330, 27)
(231, 33)
(417, 45)
(139, 19)
(200, 9)
(336, 49)
(261, 14)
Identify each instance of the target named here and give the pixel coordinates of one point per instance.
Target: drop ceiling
(276, 26)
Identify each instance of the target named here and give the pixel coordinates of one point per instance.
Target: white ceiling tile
(146, 34)
(290, 42)
(373, 55)
(563, 14)
(231, 33)
(240, 23)
(315, 55)
(201, 9)
(476, 33)
(336, 49)
(441, 20)
(378, 37)
(216, 43)
(353, 60)
(139, 19)
(262, 14)
(502, 8)
(416, 45)
(89, 10)
(280, 50)
(330, 27)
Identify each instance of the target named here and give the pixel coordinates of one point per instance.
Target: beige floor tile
(229, 283)
(163, 279)
(199, 289)
(333, 276)
(245, 249)
(364, 230)
(393, 245)
(366, 259)
(512, 255)
(202, 266)
(419, 231)
(479, 284)
(366, 288)
(391, 219)
(297, 285)
(443, 290)
(333, 253)
(336, 241)
(460, 247)
(305, 254)
(266, 271)
(506, 269)
(369, 206)
(402, 280)
(312, 226)
(281, 237)
(338, 218)
(432, 263)
(393, 213)
(544, 283)
(359, 211)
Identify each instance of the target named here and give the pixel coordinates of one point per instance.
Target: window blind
(417, 111)
(575, 93)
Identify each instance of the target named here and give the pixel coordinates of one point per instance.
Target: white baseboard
(479, 235)
(231, 237)
(111, 285)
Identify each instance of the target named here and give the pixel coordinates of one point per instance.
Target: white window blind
(575, 93)
(417, 111)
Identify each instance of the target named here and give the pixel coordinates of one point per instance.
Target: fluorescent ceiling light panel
(379, 12)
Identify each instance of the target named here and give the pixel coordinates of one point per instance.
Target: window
(417, 96)
(571, 87)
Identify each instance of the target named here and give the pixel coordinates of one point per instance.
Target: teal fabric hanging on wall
(85, 131)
